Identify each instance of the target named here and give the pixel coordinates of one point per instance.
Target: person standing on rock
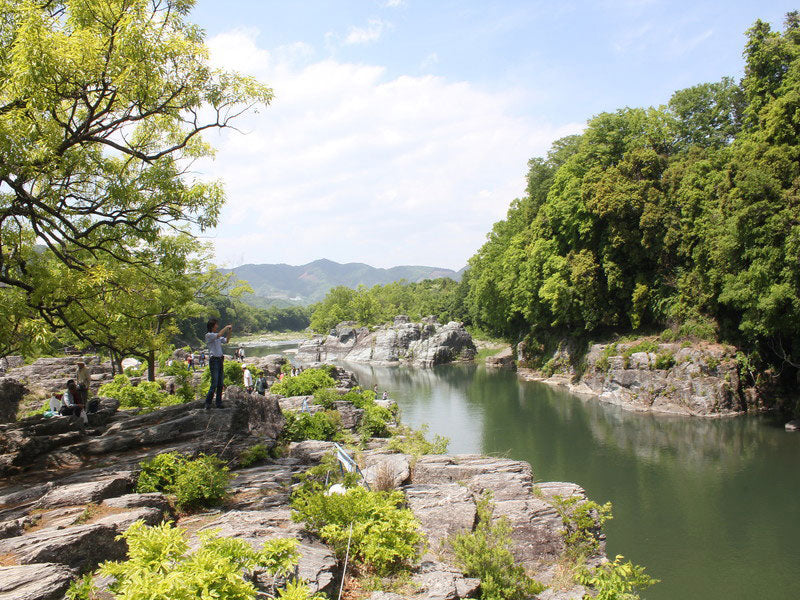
(214, 340)
(84, 379)
(261, 384)
(247, 378)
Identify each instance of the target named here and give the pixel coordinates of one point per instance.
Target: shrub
(384, 535)
(327, 472)
(358, 397)
(148, 395)
(582, 521)
(253, 455)
(616, 580)
(304, 384)
(324, 425)
(486, 553)
(408, 441)
(201, 482)
(664, 360)
(375, 422)
(195, 483)
(603, 363)
(160, 565)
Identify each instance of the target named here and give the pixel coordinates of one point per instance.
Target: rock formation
(423, 344)
(698, 380)
(67, 494)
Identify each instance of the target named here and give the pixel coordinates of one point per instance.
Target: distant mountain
(286, 284)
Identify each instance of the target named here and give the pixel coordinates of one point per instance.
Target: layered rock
(698, 380)
(68, 520)
(424, 344)
(40, 442)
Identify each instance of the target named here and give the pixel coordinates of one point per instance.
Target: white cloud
(365, 35)
(394, 3)
(353, 165)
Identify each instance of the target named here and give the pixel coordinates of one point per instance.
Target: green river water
(710, 507)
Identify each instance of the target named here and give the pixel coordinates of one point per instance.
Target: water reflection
(710, 506)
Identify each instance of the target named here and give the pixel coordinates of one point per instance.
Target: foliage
(683, 216)
(81, 589)
(583, 521)
(304, 384)
(407, 441)
(160, 565)
(254, 454)
(615, 580)
(356, 396)
(147, 395)
(375, 422)
(103, 109)
(441, 298)
(324, 425)
(486, 553)
(195, 483)
(326, 473)
(385, 536)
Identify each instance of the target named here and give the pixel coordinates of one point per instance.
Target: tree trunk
(151, 365)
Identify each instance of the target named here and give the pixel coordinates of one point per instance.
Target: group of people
(201, 360)
(74, 401)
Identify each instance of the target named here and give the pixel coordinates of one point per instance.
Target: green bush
(304, 384)
(375, 422)
(385, 536)
(616, 580)
(323, 425)
(327, 472)
(195, 483)
(359, 398)
(408, 441)
(485, 553)
(664, 360)
(148, 395)
(160, 565)
(254, 454)
(582, 520)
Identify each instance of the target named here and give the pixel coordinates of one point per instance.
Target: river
(710, 506)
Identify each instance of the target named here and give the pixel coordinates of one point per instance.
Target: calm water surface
(710, 507)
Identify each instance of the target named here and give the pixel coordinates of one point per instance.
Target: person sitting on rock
(247, 378)
(385, 395)
(72, 404)
(55, 402)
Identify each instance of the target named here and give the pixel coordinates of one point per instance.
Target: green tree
(102, 110)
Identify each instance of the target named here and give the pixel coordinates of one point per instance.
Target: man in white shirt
(214, 340)
(247, 378)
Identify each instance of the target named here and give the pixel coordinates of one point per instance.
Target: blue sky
(401, 129)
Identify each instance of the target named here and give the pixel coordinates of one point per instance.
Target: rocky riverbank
(700, 379)
(422, 344)
(67, 494)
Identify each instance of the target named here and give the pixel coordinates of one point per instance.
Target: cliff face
(698, 380)
(423, 344)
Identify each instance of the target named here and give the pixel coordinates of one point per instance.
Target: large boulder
(424, 344)
(11, 394)
(42, 581)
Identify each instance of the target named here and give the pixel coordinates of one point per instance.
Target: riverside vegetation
(679, 220)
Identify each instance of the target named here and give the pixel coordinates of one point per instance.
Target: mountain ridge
(281, 284)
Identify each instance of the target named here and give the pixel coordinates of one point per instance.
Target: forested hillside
(683, 217)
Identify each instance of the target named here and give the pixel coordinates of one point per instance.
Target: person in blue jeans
(214, 340)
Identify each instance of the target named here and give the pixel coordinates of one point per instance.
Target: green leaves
(384, 535)
(195, 483)
(160, 566)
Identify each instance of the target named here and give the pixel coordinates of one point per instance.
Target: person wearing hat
(247, 378)
(84, 379)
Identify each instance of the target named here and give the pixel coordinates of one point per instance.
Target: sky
(400, 130)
